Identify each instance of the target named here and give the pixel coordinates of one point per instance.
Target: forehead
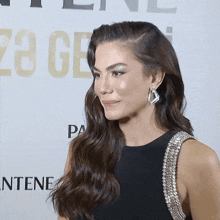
(109, 53)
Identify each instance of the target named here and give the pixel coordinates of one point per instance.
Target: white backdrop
(44, 78)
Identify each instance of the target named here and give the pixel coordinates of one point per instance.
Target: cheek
(95, 87)
(127, 88)
(123, 87)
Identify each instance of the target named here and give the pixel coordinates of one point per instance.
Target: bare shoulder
(197, 157)
(200, 173)
(196, 154)
(199, 164)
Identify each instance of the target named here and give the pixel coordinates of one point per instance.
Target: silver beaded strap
(169, 175)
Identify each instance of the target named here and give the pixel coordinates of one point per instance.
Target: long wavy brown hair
(90, 180)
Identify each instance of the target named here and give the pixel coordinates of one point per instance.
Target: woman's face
(120, 83)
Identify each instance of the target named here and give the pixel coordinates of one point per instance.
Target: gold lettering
(7, 33)
(78, 54)
(30, 54)
(63, 55)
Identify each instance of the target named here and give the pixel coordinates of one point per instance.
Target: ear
(157, 78)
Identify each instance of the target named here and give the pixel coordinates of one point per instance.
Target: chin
(111, 116)
(114, 117)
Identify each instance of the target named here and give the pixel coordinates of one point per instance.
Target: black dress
(145, 175)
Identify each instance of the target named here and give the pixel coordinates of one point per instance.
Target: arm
(202, 180)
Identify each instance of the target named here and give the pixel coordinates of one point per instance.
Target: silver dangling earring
(155, 94)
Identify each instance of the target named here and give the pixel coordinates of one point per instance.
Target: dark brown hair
(93, 155)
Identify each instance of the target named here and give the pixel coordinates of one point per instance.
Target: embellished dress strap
(169, 174)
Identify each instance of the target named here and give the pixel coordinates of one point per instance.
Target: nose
(104, 85)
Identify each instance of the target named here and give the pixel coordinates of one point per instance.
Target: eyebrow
(111, 67)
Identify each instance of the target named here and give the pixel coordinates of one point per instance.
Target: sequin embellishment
(169, 175)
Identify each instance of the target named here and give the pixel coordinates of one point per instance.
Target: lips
(109, 102)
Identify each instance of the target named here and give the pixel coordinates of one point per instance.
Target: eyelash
(113, 72)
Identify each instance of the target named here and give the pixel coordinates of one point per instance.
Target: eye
(117, 73)
(96, 75)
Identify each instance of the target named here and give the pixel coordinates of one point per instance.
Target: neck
(140, 129)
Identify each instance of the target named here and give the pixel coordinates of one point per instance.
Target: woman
(137, 158)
